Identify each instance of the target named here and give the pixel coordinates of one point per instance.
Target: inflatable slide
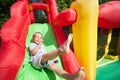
(13, 47)
(82, 15)
(19, 28)
(26, 69)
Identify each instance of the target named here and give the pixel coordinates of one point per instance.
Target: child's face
(37, 38)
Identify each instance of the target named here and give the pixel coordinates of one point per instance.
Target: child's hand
(40, 42)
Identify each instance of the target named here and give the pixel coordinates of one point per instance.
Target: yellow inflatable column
(85, 35)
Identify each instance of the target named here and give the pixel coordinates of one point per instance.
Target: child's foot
(65, 48)
(80, 74)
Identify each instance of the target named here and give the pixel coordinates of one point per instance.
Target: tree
(5, 10)
(63, 4)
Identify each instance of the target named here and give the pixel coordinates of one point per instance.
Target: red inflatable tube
(70, 63)
(109, 15)
(13, 34)
(52, 10)
(65, 18)
(39, 6)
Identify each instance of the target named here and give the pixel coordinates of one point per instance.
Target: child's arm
(34, 51)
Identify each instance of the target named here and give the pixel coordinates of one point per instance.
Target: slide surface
(50, 43)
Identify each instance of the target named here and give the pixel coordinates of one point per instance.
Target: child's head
(37, 38)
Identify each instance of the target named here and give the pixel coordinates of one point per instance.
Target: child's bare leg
(49, 56)
(79, 75)
(65, 48)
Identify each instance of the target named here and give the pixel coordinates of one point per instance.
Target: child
(40, 58)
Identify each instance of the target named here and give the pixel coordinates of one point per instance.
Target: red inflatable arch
(109, 15)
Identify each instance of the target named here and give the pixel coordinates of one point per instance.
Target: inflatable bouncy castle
(19, 28)
(108, 41)
(85, 16)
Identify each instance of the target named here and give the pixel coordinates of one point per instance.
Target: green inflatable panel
(27, 72)
(109, 72)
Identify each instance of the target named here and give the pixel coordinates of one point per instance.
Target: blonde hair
(37, 33)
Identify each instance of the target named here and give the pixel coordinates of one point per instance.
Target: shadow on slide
(50, 43)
